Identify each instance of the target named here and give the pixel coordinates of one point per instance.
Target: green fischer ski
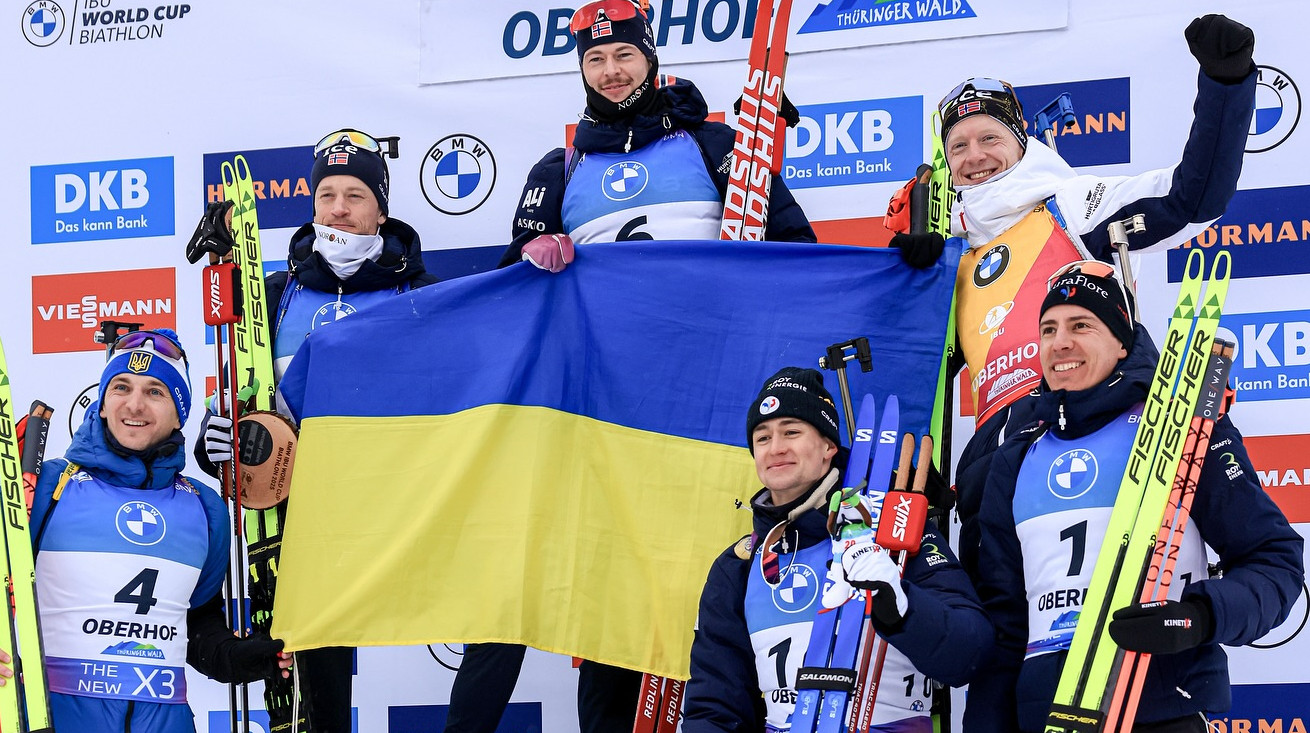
(24, 706)
(940, 199)
(255, 392)
(1093, 658)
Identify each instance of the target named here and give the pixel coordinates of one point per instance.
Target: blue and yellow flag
(556, 460)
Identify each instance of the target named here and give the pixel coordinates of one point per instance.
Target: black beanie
(983, 96)
(1103, 296)
(635, 30)
(346, 159)
(799, 393)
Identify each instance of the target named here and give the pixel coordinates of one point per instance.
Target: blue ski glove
(1162, 627)
(869, 567)
(919, 250)
(1222, 46)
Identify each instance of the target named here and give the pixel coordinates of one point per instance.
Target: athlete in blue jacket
(1043, 518)
(753, 631)
(645, 142)
(131, 555)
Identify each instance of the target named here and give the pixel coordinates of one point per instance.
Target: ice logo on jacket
(140, 523)
(1072, 473)
(796, 589)
(624, 180)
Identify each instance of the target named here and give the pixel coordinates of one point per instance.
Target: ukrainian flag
(555, 460)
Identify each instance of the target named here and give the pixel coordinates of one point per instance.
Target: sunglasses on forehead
(162, 344)
(978, 84)
(361, 140)
(587, 15)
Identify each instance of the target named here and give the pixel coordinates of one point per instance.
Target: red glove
(549, 252)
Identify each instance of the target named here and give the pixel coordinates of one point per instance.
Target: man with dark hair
(1097, 367)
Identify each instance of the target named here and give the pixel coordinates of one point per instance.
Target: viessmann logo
(67, 308)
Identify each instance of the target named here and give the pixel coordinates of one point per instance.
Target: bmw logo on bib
(796, 589)
(625, 180)
(991, 266)
(1072, 473)
(140, 523)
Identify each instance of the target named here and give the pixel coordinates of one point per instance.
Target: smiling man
(131, 556)
(1043, 522)
(1024, 213)
(645, 162)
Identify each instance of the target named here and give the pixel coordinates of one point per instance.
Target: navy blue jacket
(1259, 553)
(945, 632)
(682, 108)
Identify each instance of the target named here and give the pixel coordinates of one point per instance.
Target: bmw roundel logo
(991, 266)
(625, 180)
(330, 313)
(1072, 474)
(457, 174)
(43, 22)
(1277, 110)
(797, 589)
(140, 523)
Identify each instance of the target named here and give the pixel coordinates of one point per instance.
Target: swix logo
(1272, 361)
(280, 177)
(901, 522)
(1266, 230)
(67, 308)
(862, 141)
(81, 202)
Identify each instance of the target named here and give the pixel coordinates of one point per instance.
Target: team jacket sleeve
(723, 693)
(945, 633)
(540, 207)
(1261, 555)
(51, 469)
(1179, 202)
(992, 701)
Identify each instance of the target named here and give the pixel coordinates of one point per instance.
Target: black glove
(255, 658)
(1162, 627)
(1222, 46)
(216, 653)
(919, 250)
(786, 110)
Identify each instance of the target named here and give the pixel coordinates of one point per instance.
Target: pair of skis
(235, 305)
(24, 700)
(1090, 684)
(756, 157)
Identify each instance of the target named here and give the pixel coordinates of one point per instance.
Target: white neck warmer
(345, 252)
(985, 210)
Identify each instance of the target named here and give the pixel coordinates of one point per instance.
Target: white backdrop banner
(120, 112)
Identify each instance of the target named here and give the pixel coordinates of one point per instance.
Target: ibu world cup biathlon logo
(797, 589)
(625, 180)
(458, 174)
(43, 22)
(1277, 110)
(991, 266)
(1072, 474)
(140, 523)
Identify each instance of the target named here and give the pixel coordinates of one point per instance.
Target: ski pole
(835, 360)
(1119, 231)
(1056, 115)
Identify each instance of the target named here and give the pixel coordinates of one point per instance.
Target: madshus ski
(756, 157)
(1090, 669)
(24, 702)
(255, 390)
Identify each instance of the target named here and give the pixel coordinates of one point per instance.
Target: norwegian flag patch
(969, 108)
(339, 159)
(601, 28)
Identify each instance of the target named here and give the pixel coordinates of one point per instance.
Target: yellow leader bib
(999, 289)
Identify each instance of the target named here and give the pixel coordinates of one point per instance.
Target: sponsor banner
(111, 199)
(519, 717)
(1101, 128)
(510, 38)
(865, 141)
(1277, 110)
(98, 22)
(1283, 464)
(1265, 229)
(1266, 708)
(281, 180)
(67, 309)
(458, 173)
(1272, 361)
